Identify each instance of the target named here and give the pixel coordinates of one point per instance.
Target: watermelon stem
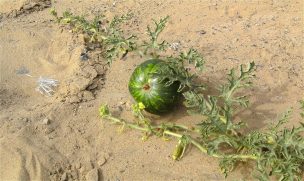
(168, 132)
(146, 87)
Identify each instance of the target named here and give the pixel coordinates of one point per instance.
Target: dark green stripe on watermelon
(145, 86)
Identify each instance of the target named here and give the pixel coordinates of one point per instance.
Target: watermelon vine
(278, 152)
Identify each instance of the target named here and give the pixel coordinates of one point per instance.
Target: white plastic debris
(46, 86)
(175, 46)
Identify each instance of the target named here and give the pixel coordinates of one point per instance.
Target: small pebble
(46, 121)
(26, 120)
(122, 103)
(202, 32)
(84, 57)
(49, 130)
(78, 165)
(102, 161)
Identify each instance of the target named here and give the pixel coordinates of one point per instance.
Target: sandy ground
(62, 138)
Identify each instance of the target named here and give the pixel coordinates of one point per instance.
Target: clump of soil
(15, 8)
(86, 81)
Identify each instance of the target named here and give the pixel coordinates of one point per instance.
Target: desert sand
(61, 137)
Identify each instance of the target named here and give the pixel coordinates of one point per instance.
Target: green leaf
(227, 165)
(302, 108)
(194, 58)
(153, 46)
(104, 111)
(106, 34)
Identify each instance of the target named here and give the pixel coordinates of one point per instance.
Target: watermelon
(147, 87)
